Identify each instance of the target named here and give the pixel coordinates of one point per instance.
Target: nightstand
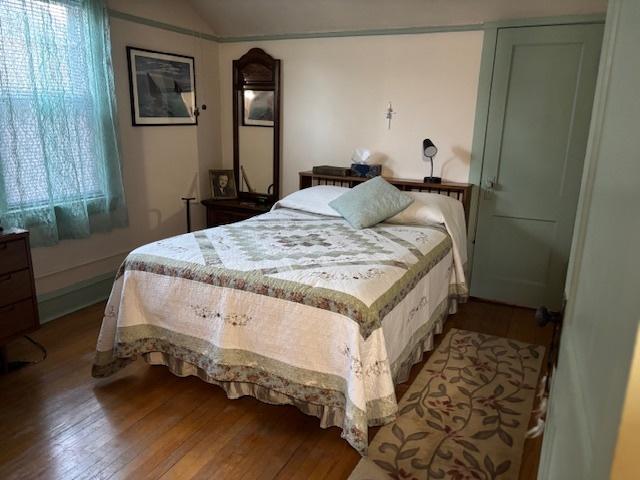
(221, 212)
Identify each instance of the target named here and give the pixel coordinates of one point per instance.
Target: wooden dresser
(221, 212)
(18, 304)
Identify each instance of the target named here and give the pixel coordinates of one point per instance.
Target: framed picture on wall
(223, 184)
(258, 108)
(162, 87)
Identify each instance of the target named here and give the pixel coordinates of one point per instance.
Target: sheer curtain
(59, 154)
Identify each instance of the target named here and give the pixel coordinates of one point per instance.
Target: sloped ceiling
(231, 18)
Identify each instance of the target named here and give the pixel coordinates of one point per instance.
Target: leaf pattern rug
(464, 417)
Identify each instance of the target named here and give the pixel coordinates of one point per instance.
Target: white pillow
(313, 199)
(430, 208)
(435, 208)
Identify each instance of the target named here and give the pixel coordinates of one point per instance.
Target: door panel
(530, 235)
(541, 96)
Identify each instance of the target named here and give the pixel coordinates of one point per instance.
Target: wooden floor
(58, 422)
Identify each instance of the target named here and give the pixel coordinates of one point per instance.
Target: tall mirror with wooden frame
(256, 125)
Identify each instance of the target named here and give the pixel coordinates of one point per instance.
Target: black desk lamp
(429, 150)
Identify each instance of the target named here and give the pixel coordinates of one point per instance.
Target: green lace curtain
(59, 155)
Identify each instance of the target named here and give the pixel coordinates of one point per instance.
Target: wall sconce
(389, 113)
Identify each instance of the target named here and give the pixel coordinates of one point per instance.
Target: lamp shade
(429, 148)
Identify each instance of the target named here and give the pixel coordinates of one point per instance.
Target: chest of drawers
(18, 303)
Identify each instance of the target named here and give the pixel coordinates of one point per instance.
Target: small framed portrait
(258, 108)
(162, 87)
(223, 184)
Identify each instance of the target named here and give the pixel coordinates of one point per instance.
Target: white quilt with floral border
(300, 305)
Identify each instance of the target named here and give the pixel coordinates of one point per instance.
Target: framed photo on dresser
(223, 184)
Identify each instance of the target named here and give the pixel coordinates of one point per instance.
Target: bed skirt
(330, 411)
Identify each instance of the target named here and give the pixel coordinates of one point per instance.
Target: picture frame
(223, 184)
(258, 108)
(162, 88)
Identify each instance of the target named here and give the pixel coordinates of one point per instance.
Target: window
(42, 101)
(58, 146)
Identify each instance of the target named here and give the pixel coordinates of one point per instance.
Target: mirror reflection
(256, 159)
(258, 108)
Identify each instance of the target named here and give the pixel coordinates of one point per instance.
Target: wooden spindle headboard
(459, 191)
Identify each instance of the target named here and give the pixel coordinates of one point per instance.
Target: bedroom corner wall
(160, 164)
(335, 92)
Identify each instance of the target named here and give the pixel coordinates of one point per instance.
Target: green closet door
(538, 124)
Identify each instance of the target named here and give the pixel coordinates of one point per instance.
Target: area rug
(464, 417)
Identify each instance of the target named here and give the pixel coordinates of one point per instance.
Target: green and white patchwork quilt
(290, 307)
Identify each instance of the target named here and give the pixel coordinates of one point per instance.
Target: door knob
(544, 316)
(489, 186)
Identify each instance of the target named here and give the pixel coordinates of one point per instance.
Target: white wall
(335, 92)
(160, 164)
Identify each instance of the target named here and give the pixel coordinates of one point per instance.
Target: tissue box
(366, 170)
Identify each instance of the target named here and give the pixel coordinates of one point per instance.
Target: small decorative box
(331, 170)
(365, 170)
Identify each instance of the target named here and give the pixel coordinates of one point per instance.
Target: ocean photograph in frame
(162, 87)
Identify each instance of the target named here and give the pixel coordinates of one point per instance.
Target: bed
(294, 306)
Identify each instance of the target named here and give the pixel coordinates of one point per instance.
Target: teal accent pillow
(370, 202)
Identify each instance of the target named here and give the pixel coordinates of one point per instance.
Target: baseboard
(498, 302)
(74, 297)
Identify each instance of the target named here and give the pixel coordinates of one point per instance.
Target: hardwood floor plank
(312, 464)
(273, 450)
(229, 416)
(157, 455)
(294, 467)
(213, 446)
(68, 444)
(110, 455)
(233, 464)
(145, 423)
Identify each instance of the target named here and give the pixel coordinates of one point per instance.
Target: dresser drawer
(15, 286)
(225, 217)
(222, 212)
(17, 318)
(13, 256)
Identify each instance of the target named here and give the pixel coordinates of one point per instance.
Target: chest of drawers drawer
(15, 286)
(13, 255)
(18, 305)
(17, 318)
